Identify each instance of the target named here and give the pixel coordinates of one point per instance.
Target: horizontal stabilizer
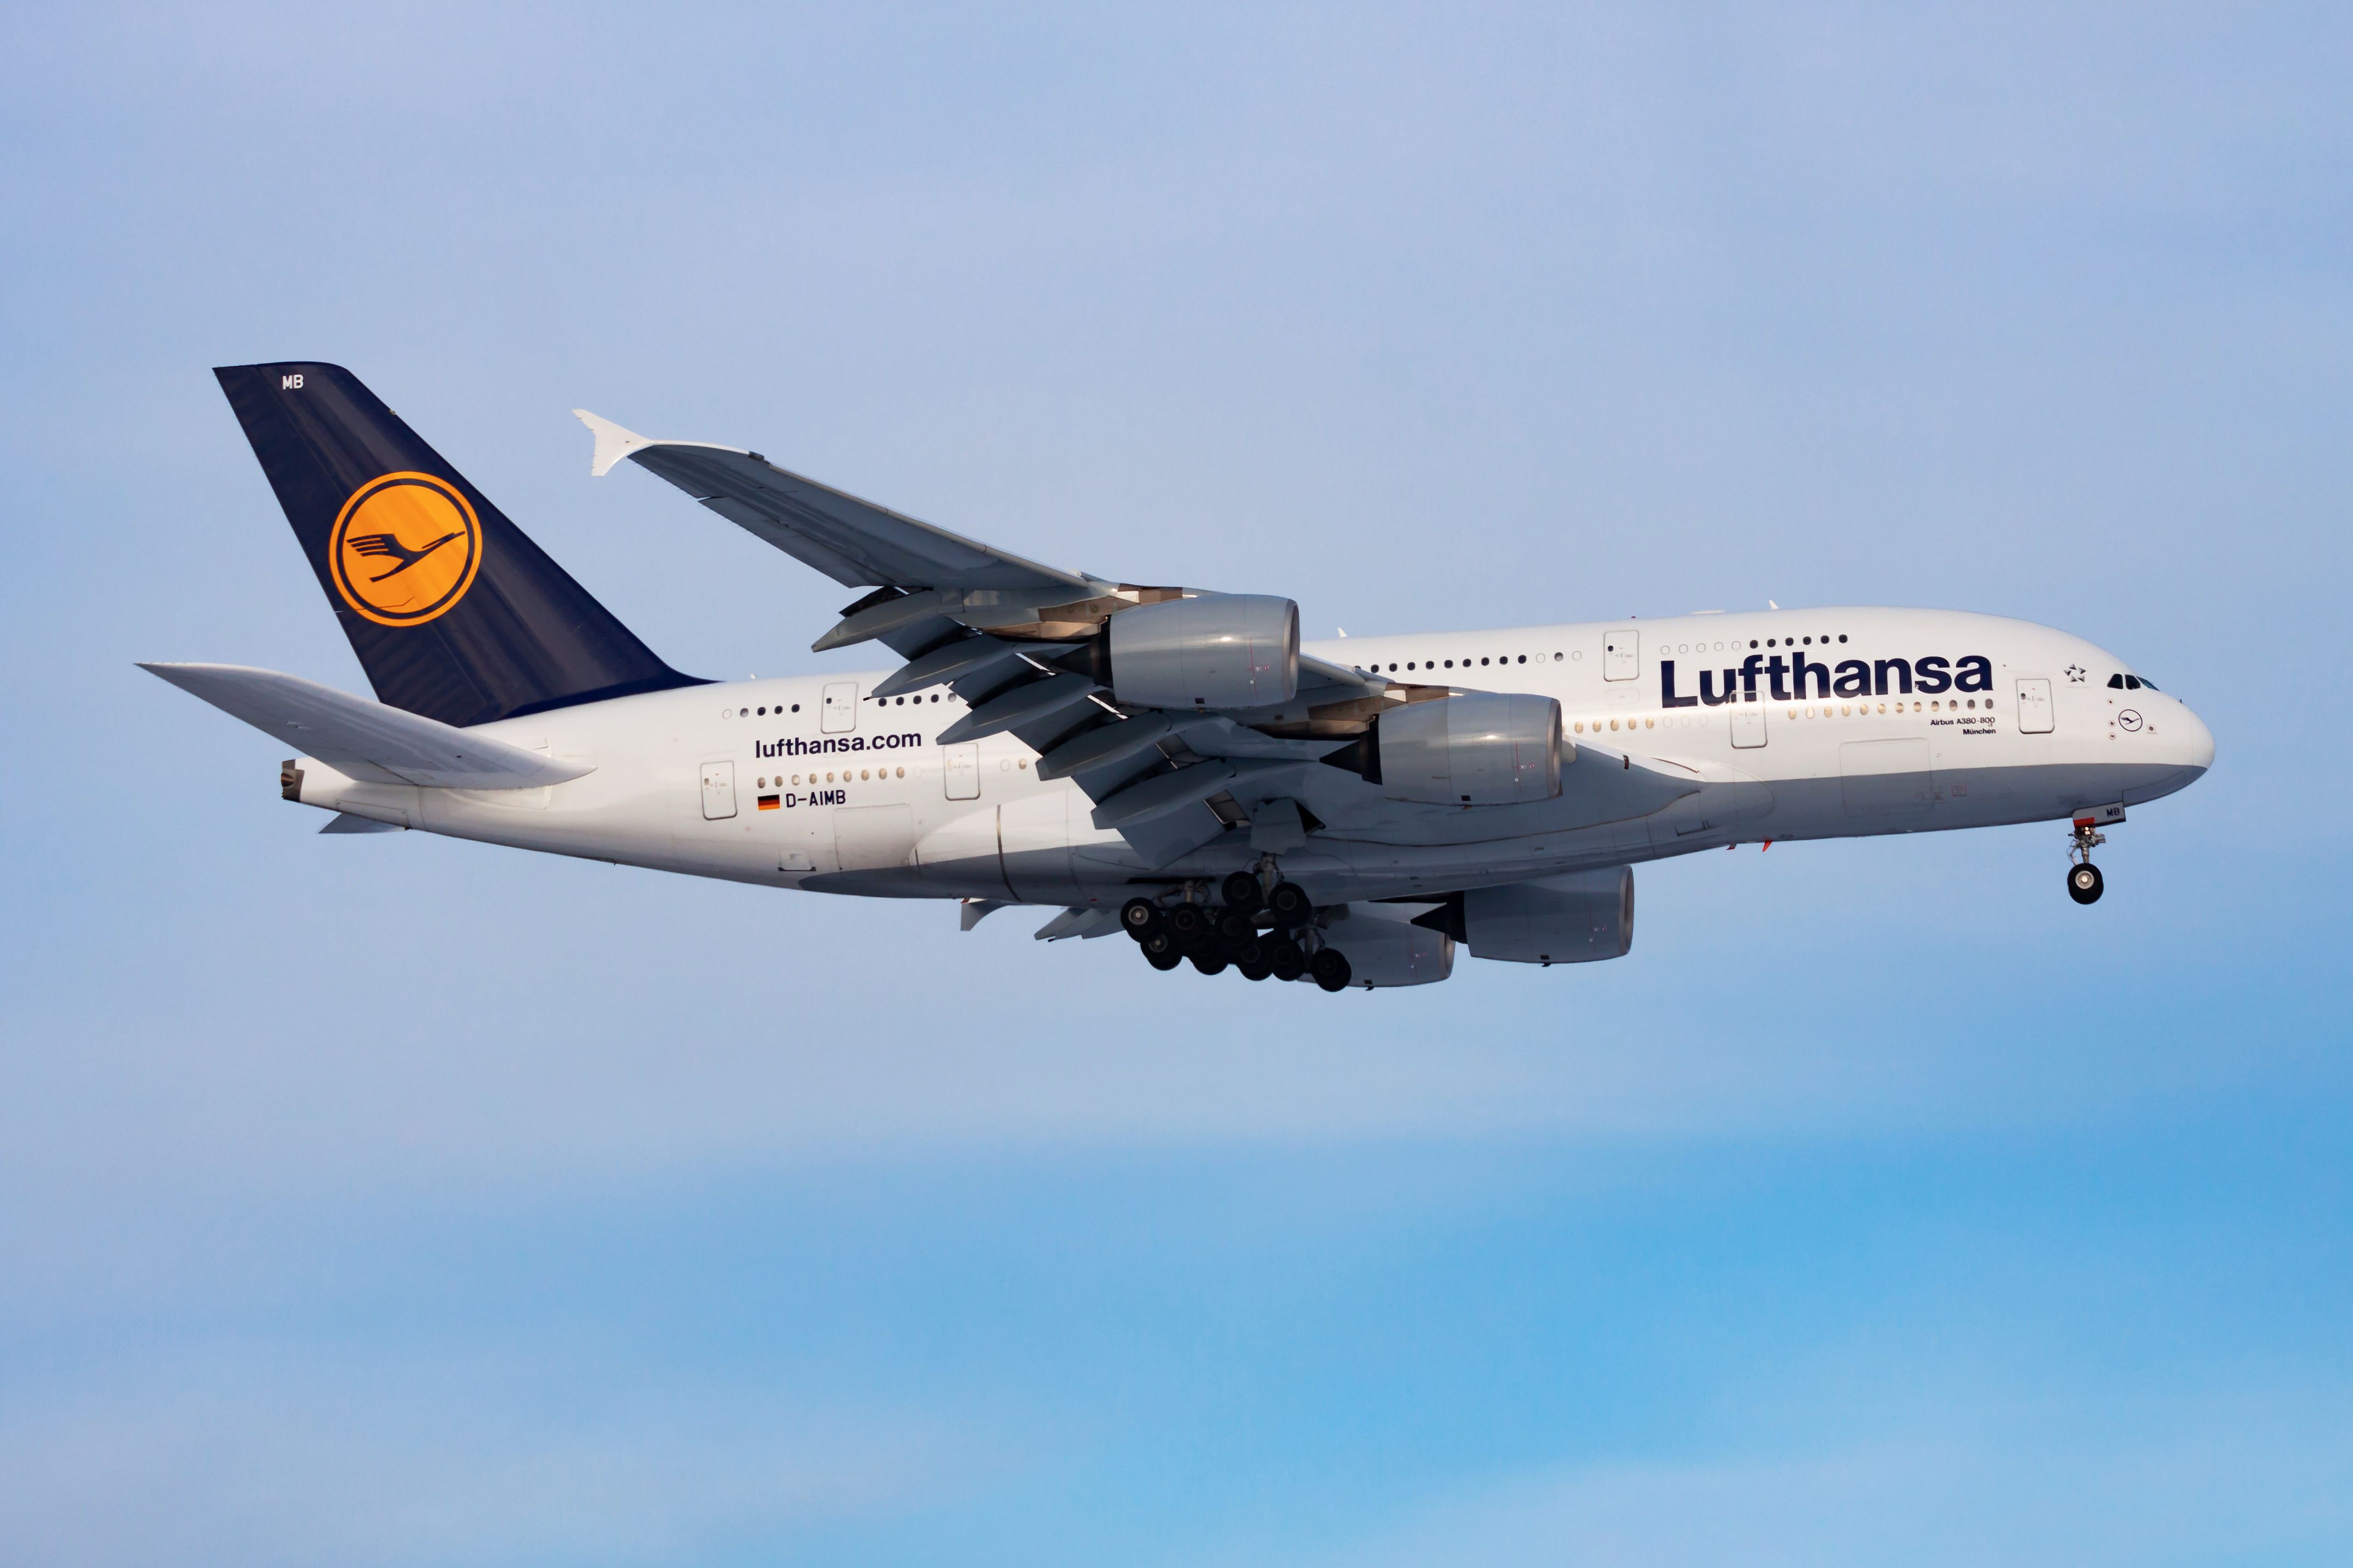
(366, 739)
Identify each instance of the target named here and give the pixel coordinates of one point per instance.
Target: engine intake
(1479, 748)
(1214, 650)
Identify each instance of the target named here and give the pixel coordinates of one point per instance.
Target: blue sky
(1882, 1206)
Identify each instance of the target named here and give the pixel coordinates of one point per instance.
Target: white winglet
(613, 443)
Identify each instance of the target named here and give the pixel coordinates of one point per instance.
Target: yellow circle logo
(405, 549)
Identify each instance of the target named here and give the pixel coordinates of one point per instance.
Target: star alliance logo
(2076, 673)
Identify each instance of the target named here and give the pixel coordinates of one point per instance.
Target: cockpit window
(2132, 683)
(2117, 682)
(2144, 680)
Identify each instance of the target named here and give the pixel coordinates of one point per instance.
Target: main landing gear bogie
(1269, 935)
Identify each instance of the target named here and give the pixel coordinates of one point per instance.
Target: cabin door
(838, 715)
(960, 767)
(2035, 707)
(1747, 724)
(718, 791)
(1621, 658)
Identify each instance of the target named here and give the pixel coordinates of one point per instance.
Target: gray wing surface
(854, 542)
(999, 631)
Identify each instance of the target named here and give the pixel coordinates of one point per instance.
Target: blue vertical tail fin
(455, 614)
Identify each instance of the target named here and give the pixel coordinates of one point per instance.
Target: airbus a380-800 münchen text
(1169, 763)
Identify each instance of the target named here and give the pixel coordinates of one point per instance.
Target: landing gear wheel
(1241, 893)
(1291, 904)
(1284, 959)
(1210, 962)
(1156, 942)
(1139, 918)
(1188, 924)
(1249, 971)
(2084, 883)
(1235, 928)
(1246, 953)
(1330, 969)
(1163, 960)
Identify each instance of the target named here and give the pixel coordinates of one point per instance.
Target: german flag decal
(768, 803)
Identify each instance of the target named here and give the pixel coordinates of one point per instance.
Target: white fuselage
(764, 781)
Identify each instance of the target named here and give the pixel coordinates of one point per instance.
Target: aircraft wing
(366, 739)
(1012, 638)
(850, 540)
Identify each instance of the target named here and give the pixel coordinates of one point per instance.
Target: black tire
(1330, 969)
(1241, 893)
(1284, 959)
(1235, 928)
(2084, 884)
(1165, 960)
(1139, 918)
(1188, 923)
(1245, 954)
(1157, 943)
(1291, 904)
(1210, 962)
(1258, 971)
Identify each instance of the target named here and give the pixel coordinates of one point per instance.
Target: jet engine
(1478, 748)
(1572, 919)
(1213, 650)
(1385, 948)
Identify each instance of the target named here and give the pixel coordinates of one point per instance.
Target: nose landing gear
(2084, 883)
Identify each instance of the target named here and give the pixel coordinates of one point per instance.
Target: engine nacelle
(1576, 918)
(1481, 749)
(1385, 948)
(1214, 650)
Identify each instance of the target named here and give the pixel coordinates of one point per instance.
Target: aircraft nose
(2197, 743)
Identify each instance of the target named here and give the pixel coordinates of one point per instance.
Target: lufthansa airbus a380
(1167, 763)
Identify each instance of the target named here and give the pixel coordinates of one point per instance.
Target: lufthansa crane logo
(405, 549)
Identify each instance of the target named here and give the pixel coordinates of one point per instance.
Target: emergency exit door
(960, 767)
(838, 715)
(718, 791)
(2034, 707)
(1747, 724)
(1622, 655)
